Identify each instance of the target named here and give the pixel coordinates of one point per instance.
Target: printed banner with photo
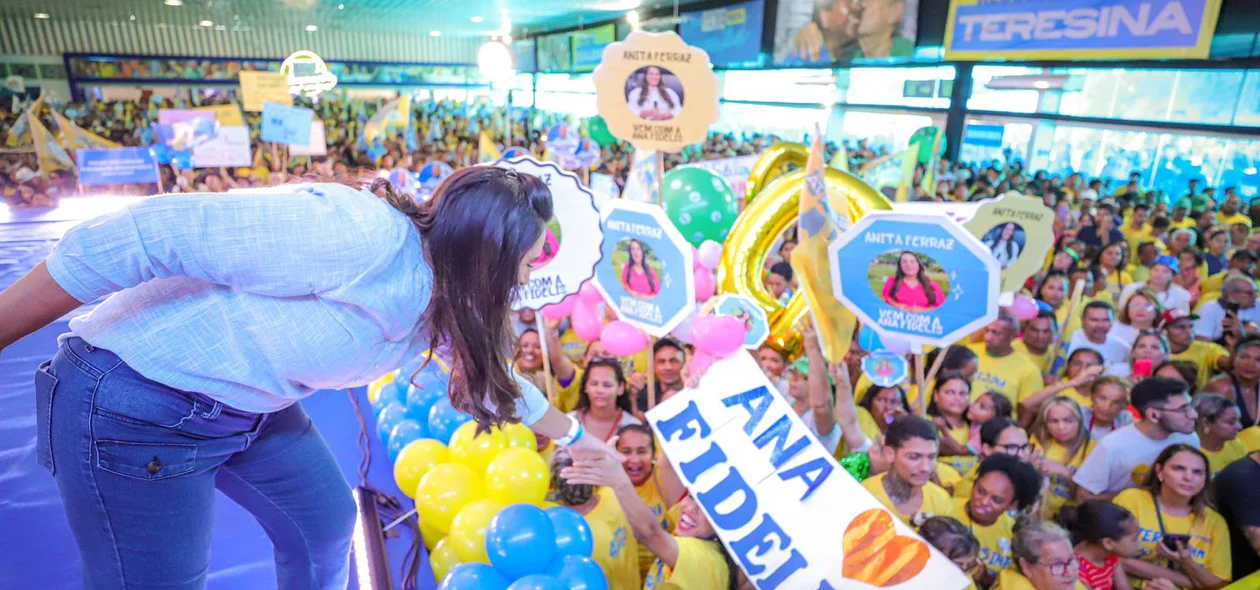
(785, 510)
(573, 237)
(263, 87)
(735, 170)
(921, 278)
(730, 34)
(555, 52)
(128, 165)
(978, 30)
(645, 269)
(656, 92)
(1019, 231)
(212, 142)
(810, 32)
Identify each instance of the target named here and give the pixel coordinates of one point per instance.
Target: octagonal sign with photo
(923, 278)
(571, 245)
(645, 271)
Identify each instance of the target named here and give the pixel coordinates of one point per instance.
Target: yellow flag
(51, 157)
(487, 151)
(820, 222)
(929, 173)
(905, 186)
(395, 114)
(73, 137)
(20, 133)
(894, 172)
(840, 161)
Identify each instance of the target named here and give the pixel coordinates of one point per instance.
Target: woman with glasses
(1141, 311)
(1182, 539)
(1042, 552)
(1003, 485)
(603, 404)
(997, 436)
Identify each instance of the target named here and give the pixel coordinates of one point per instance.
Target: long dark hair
(476, 228)
(1010, 244)
(921, 275)
(642, 264)
(1199, 502)
(643, 87)
(584, 401)
(1095, 520)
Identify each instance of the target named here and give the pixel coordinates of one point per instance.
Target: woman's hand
(1183, 556)
(1159, 584)
(1088, 375)
(598, 470)
(590, 447)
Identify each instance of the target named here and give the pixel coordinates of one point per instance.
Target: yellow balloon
(444, 490)
(761, 223)
(545, 504)
(520, 436)
(415, 460)
(777, 160)
(431, 535)
(468, 530)
(444, 559)
(476, 450)
(518, 475)
(374, 388)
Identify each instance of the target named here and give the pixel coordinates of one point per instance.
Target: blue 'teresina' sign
(1080, 29)
(922, 278)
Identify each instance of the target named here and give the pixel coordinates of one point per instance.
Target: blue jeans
(137, 464)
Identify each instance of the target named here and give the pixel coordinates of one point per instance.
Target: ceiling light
(435, 33)
(1041, 84)
(478, 19)
(133, 17)
(311, 28)
(206, 23)
(341, 7)
(174, 2)
(632, 18)
(42, 15)
(495, 60)
(507, 39)
(220, 27)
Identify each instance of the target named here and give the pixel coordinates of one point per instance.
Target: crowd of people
(1111, 440)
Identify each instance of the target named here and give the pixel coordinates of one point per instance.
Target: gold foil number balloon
(777, 160)
(765, 219)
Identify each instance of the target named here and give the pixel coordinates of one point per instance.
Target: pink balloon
(719, 336)
(706, 284)
(622, 339)
(1024, 307)
(590, 294)
(586, 322)
(559, 311)
(683, 332)
(709, 254)
(700, 362)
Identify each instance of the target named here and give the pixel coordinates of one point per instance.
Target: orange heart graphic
(874, 554)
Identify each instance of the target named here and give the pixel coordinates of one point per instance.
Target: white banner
(788, 514)
(230, 147)
(734, 170)
(318, 146)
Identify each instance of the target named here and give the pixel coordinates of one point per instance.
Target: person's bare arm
(1149, 571)
(845, 410)
(600, 471)
(1029, 406)
(1252, 533)
(561, 366)
(31, 303)
(1083, 494)
(819, 394)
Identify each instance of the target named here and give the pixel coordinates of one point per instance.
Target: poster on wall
(731, 34)
(1080, 29)
(809, 32)
(588, 46)
(555, 53)
(523, 58)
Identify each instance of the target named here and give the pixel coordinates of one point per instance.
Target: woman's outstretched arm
(31, 303)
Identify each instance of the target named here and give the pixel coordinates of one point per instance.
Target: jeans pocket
(45, 388)
(146, 461)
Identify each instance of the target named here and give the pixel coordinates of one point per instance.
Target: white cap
(1090, 194)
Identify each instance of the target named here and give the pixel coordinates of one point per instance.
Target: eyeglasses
(1061, 568)
(1014, 449)
(1179, 410)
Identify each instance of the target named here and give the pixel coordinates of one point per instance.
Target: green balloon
(700, 203)
(598, 128)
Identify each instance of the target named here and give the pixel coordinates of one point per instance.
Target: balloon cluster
(413, 409)
(528, 548)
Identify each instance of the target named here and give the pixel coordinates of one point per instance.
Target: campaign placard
(128, 165)
(572, 239)
(316, 146)
(921, 278)
(656, 92)
(263, 87)
(645, 271)
(744, 309)
(787, 513)
(1018, 231)
(286, 124)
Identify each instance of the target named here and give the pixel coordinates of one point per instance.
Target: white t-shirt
(1211, 314)
(626, 419)
(1176, 297)
(1113, 350)
(1097, 431)
(1123, 458)
(831, 441)
(1005, 251)
(655, 101)
(1123, 332)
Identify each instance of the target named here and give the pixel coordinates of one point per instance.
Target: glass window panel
(890, 130)
(1248, 112)
(1239, 167)
(985, 97)
(1015, 137)
(790, 123)
(1206, 96)
(576, 104)
(914, 87)
(566, 83)
(782, 86)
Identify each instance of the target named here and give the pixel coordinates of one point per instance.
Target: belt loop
(214, 412)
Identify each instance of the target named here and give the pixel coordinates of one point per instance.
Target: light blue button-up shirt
(256, 298)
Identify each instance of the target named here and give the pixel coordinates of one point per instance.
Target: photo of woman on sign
(910, 288)
(639, 275)
(1006, 241)
(651, 96)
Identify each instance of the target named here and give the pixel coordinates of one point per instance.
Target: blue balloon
(444, 420)
(578, 572)
(392, 393)
(573, 534)
(163, 153)
(183, 160)
(402, 435)
(473, 576)
(420, 401)
(388, 418)
(537, 582)
(521, 540)
(869, 340)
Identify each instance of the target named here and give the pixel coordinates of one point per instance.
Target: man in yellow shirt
(1180, 219)
(1209, 358)
(1038, 335)
(910, 448)
(1229, 214)
(1000, 368)
(1137, 230)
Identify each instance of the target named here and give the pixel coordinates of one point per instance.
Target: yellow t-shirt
(1072, 324)
(1010, 579)
(1209, 536)
(1186, 223)
(1250, 439)
(1204, 355)
(995, 539)
(567, 396)
(1075, 395)
(1115, 283)
(1228, 220)
(1060, 492)
(700, 567)
(573, 347)
(1232, 451)
(650, 493)
(1012, 375)
(948, 476)
(617, 555)
(962, 489)
(1135, 237)
(960, 463)
(935, 500)
(1038, 360)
